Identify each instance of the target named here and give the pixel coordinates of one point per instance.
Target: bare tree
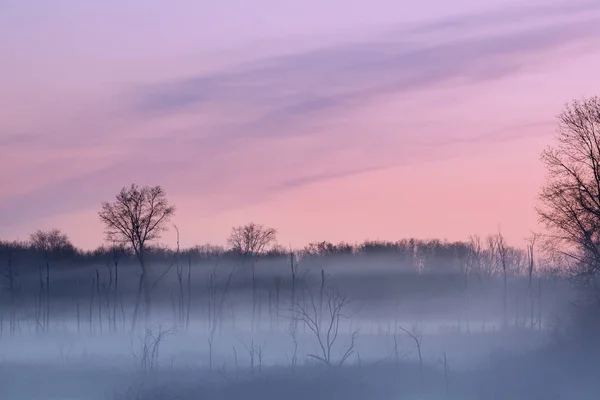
(215, 305)
(530, 270)
(250, 241)
(52, 244)
(11, 284)
(147, 354)
(326, 327)
(501, 251)
(474, 257)
(137, 217)
(417, 337)
(570, 199)
(117, 252)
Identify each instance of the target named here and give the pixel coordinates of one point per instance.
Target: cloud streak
(300, 88)
(271, 116)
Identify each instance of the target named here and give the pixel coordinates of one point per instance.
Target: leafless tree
(326, 327)
(117, 251)
(216, 303)
(530, 270)
(417, 337)
(501, 252)
(254, 351)
(149, 345)
(51, 244)
(250, 241)
(180, 313)
(474, 257)
(444, 363)
(137, 217)
(11, 284)
(570, 199)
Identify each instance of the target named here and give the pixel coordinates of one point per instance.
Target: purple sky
(330, 120)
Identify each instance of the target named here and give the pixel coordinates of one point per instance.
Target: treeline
(489, 256)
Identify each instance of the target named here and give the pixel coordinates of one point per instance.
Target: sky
(328, 120)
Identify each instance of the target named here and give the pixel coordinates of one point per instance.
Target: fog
(331, 326)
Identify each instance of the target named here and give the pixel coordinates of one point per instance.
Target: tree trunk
(115, 296)
(47, 322)
(138, 299)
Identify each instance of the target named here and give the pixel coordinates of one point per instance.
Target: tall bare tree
(51, 244)
(117, 251)
(501, 251)
(530, 270)
(570, 199)
(10, 282)
(137, 217)
(251, 240)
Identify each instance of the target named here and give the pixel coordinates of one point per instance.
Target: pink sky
(329, 120)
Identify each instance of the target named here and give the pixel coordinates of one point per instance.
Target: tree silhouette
(250, 241)
(570, 199)
(136, 217)
(51, 244)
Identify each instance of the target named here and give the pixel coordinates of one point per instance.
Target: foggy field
(436, 334)
(93, 369)
(299, 200)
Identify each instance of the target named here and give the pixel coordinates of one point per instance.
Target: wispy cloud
(271, 118)
(300, 87)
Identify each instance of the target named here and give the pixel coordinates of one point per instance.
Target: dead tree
(189, 297)
(250, 241)
(52, 245)
(117, 251)
(216, 303)
(294, 272)
(181, 294)
(569, 201)
(137, 217)
(11, 284)
(530, 270)
(501, 252)
(149, 344)
(417, 337)
(326, 327)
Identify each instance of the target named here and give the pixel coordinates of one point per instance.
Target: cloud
(315, 178)
(293, 98)
(299, 88)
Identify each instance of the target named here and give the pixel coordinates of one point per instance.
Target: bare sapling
(11, 284)
(393, 340)
(255, 353)
(326, 327)
(293, 334)
(99, 294)
(417, 337)
(181, 295)
(444, 362)
(277, 291)
(530, 270)
(216, 303)
(92, 303)
(189, 294)
(146, 355)
(501, 251)
(117, 252)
